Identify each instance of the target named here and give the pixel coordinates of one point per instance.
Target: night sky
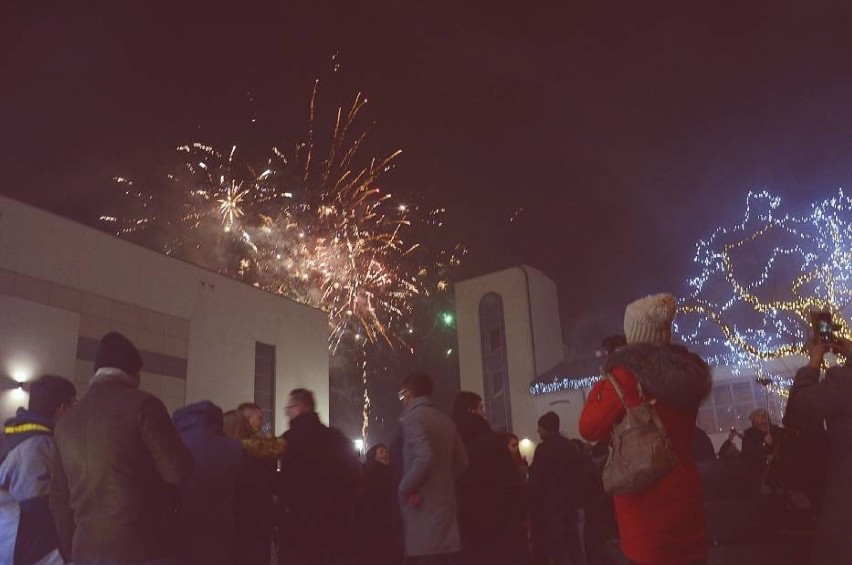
(621, 132)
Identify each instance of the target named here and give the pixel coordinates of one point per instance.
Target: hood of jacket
(24, 425)
(23, 416)
(666, 371)
(202, 415)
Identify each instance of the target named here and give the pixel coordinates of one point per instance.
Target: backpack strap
(620, 393)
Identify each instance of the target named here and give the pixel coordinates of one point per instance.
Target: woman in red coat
(663, 525)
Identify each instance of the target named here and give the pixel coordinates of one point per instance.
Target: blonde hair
(236, 425)
(755, 414)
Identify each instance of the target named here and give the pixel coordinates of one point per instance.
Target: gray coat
(433, 456)
(830, 399)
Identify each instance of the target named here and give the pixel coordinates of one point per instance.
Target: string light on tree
(760, 280)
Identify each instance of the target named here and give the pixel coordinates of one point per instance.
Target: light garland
(747, 321)
(559, 384)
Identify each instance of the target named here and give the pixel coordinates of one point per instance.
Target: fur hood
(665, 371)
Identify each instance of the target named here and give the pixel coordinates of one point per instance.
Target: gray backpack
(640, 451)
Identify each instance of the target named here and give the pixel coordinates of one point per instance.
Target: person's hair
(249, 407)
(50, 392)
(465, 402)
(304, 397)
(612, 342)
(237, 426)
(371, 453)
(549, 422)
(420, 384)
(510, 436)
(757, 413)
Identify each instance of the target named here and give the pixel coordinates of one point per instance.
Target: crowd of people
(114, 479)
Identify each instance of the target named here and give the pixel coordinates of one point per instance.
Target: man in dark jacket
(763, 437)
(831, 400)
(491, 507)
(116, 464)
(26, 454)
(556, 475)
(317, 487)
(207, 497)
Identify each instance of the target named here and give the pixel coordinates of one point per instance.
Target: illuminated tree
(750, 306)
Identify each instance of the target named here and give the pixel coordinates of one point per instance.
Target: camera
(823, 326)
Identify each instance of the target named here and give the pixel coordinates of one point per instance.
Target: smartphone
(823, 326)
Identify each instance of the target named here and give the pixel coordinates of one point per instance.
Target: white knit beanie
(649, 319)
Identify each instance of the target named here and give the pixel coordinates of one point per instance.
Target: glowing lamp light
(527, 448)
(359, 445)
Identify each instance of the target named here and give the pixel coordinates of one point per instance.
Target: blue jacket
(26, 456)
(207, 496)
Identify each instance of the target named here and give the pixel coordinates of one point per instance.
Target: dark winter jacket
(665, 523)
(490, 494)
(206, 510)
(375, 515)
(702, 446)
(26, 452)
(317, 486)
(556, 477)
(116, 466)
(830, 399)
(753, 441)
(255, 514)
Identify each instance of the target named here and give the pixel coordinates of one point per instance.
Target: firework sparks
(315, 226)
(229, 205)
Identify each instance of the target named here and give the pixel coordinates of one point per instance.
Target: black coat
(831, 400)
(254, 510)
(375, 519)
(556, 478)
(317, 485)
(206, 507)
(490, 495)
(753, 441)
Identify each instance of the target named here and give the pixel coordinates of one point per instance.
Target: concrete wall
(524, 319)
(196, 329)
(547, 326)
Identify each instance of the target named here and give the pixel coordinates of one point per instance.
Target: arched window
(495, 367)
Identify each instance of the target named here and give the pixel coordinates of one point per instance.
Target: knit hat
(549, 422)
(649, 319)
(117, 351)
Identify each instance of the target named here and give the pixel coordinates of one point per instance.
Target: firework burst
(314, 225)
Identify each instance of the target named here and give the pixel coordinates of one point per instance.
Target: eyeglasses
(401, 394)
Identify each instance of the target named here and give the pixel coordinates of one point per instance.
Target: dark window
(495, 366)
(494, 340)
(264, 382)
(730, 403)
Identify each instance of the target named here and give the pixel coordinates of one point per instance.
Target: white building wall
(568, 405)
(547, 326)
(196, 329)
(524, 320)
